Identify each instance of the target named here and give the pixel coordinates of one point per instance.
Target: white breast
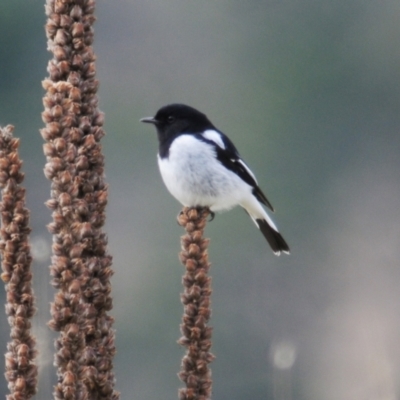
(195, 177)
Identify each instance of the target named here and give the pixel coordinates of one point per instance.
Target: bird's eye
(170, 119)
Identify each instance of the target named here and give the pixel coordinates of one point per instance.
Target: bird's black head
(175, 119)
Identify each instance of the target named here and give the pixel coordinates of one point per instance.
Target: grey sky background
(310, 94)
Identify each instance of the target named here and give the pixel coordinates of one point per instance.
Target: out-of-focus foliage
(310, 93)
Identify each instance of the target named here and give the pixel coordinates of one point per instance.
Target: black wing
(229, 157)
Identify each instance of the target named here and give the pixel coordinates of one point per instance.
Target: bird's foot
(199, 209)
(212, 216)
(178, 217)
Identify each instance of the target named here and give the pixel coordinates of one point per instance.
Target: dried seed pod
(75, 166)
(196, 300)
(21, 371)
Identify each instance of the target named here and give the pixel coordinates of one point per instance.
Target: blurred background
(310, 93)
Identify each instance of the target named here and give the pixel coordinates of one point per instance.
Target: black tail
(274, 238)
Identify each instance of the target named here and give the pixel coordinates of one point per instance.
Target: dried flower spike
(81, 266)
(21, 370)
(196, 334)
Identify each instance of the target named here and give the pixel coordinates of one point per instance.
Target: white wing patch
(215, 137)
(243, 164)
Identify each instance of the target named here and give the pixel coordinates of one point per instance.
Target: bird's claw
(178, 216)
(212, 215)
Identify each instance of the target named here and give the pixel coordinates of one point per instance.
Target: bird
(201, 167)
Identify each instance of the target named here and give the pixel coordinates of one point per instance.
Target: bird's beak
(149, 120)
